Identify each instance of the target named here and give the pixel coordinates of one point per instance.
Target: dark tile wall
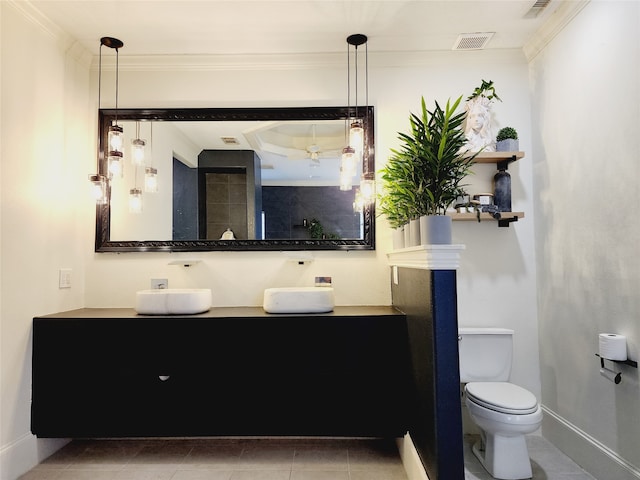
(185, 202)
(226, 204)
(285, 208)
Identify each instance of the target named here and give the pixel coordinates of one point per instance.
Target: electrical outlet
(159, 283)
(64, 278)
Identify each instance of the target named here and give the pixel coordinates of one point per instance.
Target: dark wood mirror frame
(107, 116)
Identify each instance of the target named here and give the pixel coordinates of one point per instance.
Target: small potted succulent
(507, 140)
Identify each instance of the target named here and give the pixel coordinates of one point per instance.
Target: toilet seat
(503, 397)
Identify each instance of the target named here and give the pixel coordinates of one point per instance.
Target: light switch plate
(64, 278)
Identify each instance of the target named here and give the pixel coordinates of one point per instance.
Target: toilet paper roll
(612, 346)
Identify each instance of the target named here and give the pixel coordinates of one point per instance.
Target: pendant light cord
(117, 80)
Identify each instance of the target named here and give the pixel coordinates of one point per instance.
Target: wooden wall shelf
(496, 157)
(505, 217)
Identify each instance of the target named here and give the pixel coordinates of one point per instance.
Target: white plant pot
(397, 238)
(508, 145)
(415, 233)
(435, 230)
(407, 235)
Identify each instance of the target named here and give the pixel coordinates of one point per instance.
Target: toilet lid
(502, 397)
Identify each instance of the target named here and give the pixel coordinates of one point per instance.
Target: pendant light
(100, 182)
(356, 129)
(356, 150)
(115, 138)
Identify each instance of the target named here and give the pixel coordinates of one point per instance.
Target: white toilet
(503, 412)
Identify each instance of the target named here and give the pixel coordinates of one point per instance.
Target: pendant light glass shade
(138, 148)
(135, 200)
(368, 190)
(115, 138)
(356, 137)
(346, 181)
(150, 180)
(358, 202)
(137, 151)
(115, 161)
(99, 188)
(348, 160)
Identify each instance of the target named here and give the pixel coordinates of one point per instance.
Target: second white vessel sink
(173, 301)
(298, 300)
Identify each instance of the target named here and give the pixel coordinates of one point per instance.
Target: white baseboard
(23, 454)
(594, 457)
(410, 459)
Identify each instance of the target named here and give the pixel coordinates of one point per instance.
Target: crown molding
(559, 19)
(389, 59)
(65, 42)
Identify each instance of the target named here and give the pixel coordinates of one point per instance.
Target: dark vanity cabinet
(229, 372)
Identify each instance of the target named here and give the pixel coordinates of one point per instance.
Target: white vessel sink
(173, 301)
(298, 300)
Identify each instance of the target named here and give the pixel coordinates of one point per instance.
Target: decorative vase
(508, 145)
(435, 230)
(415, 233)
(502, 191)
(397, 238)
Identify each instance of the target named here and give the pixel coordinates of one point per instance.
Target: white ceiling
(242, 27)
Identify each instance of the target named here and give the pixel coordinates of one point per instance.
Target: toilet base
(505, 458)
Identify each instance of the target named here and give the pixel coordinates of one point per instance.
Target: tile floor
(265, 459)
(223, 459)
(547, 462)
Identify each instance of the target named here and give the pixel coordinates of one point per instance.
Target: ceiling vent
(230, 140)
(537, 8)
(472, 41)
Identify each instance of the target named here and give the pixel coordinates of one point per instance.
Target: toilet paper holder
(615, 377)
(631, 363)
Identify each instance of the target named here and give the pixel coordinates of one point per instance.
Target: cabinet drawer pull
(164, 378)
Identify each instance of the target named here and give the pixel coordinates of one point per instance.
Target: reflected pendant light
(135, 195)
(150, 180)
(137, 148)
(150, 173)
(135, 200)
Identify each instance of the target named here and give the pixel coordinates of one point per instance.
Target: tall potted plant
(433, 160)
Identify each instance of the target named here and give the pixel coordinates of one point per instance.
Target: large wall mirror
(237, 179)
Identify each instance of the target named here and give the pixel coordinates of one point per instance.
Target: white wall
(45, 157)
(586, 170)
(496, 281)
(497, 278)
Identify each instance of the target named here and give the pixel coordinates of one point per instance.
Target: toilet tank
(485, 354)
